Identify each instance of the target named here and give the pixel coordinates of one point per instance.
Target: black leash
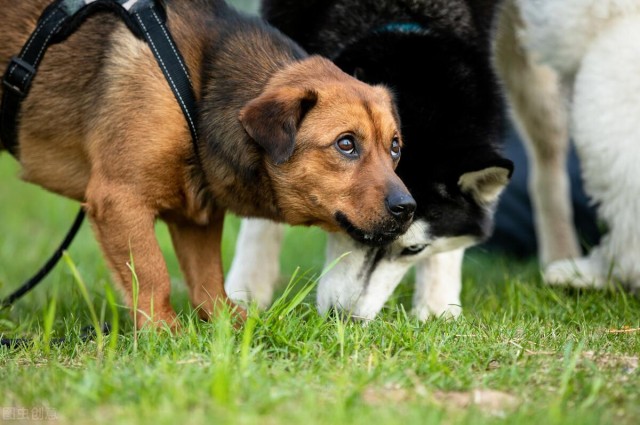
(147, 20)
(87, 333)
(46, 268)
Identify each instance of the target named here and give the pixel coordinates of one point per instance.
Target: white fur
(606, 122)
(438, 285)
(560, 32)
(344, 287)
(255, 268)
(254, 272)
(594, 46)
(587, 272)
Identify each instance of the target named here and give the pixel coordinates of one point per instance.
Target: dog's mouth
(383, 235)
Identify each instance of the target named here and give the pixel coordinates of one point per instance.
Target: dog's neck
(239, 60)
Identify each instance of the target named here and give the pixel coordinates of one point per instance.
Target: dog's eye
(347, 146)
(413, 249)
(395, 148)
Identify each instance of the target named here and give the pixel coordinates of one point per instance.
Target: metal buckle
(18, 76)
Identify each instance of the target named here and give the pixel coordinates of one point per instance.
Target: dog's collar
(401, 27)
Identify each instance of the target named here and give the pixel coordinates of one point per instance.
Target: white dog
(571, 68)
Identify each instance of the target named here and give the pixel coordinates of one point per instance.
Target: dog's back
(560, 32)
(328, 26)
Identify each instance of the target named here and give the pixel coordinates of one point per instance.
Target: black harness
(146, 19)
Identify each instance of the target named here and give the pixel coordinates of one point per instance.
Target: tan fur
(365, 180)
(101, 126)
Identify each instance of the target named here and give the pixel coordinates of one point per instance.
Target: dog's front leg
(256, 264)
(438, 285)
(124, 227)
(535, 96)
(198, 248)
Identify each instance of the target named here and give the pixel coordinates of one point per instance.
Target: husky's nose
(401, 205)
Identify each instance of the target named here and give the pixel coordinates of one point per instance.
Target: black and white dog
(436, 56)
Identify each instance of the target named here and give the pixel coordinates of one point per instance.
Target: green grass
(547, 350)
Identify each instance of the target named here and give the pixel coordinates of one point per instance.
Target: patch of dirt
(388, 394)
(492, 402)
(628, 364)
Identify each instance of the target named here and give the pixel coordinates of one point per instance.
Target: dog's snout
(401, 205)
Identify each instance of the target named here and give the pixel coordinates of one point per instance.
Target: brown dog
(283, 136)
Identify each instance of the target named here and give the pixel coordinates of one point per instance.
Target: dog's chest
(560, 32)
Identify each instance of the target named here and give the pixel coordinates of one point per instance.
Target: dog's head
(331, 146)
(453, 217)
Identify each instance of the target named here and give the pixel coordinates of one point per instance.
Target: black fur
(440, 70)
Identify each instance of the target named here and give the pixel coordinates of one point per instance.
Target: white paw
(245, 296)
(584, 272)
(445, 311)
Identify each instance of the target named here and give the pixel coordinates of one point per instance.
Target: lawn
(523, 353)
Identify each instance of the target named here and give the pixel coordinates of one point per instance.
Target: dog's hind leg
(438, 286)
(124, 227)
(256, 264)
(539, 111)
(198, 248)
(605, 116)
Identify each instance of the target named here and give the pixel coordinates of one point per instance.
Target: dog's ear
(273, 118)
(486, 184)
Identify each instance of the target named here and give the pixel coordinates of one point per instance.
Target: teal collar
(402, 27)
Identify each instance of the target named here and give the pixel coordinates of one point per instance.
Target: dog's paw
(245, 296)
(584, 272)
(445, 311)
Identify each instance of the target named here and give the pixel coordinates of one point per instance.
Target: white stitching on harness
(172, 47)
(184, 107)
(30, 41)
(44, 46)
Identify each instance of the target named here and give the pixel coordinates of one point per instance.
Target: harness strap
(147, 20)
(155, 32)
(19, 74)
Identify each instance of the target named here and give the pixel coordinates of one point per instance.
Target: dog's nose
(401, 205)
